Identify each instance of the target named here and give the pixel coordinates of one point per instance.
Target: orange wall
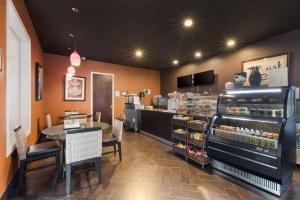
(8, 164)
(126, 78)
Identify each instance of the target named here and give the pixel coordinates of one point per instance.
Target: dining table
(57, 132)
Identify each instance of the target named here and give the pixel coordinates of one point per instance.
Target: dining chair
(114, 138)
(30, 153)
(48, 120)
(98, 117)
(83, 146)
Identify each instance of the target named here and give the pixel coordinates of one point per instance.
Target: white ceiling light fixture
(231, 43)
(198, 54)
(175, 62)
(188, 23)
(139, 53)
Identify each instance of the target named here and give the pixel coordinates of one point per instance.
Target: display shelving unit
(197, 144)
(197, 111)
(179, 135)
(252, 136)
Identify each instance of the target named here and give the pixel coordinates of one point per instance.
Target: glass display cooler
(253, 136)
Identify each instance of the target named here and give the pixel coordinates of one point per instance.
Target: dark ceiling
(110, 30)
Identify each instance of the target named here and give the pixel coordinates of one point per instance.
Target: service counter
(157, 124)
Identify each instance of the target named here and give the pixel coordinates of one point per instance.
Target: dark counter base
(156, 123)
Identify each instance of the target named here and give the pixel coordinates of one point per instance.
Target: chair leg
(68, 178)
(98, 169)
(120, 150)
(22, 172)
(115, 149)
(58, 166)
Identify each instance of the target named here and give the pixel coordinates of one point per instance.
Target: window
(18, 77)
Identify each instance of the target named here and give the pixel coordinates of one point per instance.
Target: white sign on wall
(274, 70)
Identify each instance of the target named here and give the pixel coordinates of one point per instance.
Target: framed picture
(38, 82)
(0, 58)
(75, 89)
(273, 69)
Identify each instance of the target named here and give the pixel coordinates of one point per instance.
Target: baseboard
(156, 138)
(9, 192)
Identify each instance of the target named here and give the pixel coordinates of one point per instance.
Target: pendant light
(71, 70)
(69, 76)
(75, 58)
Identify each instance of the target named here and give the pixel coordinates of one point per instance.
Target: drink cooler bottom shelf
(268, 185)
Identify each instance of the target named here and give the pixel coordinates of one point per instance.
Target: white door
(13, 81)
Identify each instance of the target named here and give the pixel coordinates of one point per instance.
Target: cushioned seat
(42, 148)
(114, 138)
(109, 138)
(35, 152)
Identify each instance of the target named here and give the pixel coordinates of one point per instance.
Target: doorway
(102, 98)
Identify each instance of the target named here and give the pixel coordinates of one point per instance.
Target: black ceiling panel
(110, 30)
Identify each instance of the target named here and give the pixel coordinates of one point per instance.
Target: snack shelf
(178, 150)
(180, 136)
(200, 160)
(195, 142)
(248, 139)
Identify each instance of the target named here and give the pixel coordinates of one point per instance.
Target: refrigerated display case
(253, 136)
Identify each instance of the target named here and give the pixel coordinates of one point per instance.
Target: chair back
(21, 142)
(48, 120)
(83, 144)
(98, 117)
(117, 130)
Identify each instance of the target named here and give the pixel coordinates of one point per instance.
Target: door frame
(112, 93)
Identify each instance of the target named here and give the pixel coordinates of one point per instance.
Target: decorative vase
(255, 77)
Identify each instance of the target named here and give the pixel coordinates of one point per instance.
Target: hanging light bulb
(71, 70)
(69, 76)
(75, 59)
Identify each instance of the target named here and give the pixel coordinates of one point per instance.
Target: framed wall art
(273, 70)
(38, 82)
(75, 88)
(0, 58)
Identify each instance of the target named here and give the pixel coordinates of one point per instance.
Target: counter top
(160, 110)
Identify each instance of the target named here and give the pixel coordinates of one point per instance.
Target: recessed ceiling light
(138, 53)
(198, 54)
(175, 62)
(230, 43)
(188, 23)
(75, 10)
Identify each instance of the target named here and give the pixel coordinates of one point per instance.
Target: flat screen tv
(204, 78)
(184, 81)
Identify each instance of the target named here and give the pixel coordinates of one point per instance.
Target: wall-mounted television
(204, 78)
(185, 81)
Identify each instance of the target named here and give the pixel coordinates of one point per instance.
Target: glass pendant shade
(71, 70)
(75, 59)
(69, 76)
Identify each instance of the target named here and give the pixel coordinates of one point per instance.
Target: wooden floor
(149, 171)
